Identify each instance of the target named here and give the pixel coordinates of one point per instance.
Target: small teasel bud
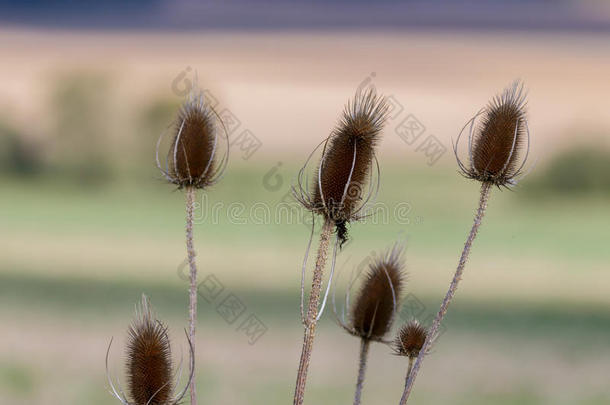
(194, 158)
(497, 142)
(342, 184)
(410, 339)
(377, 301)
(149, 365)
(495, 151)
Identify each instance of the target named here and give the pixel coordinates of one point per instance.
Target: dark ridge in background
(80, 299)
(184, 15)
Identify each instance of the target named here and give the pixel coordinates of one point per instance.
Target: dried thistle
(409, 343)
(151, 380)
(375, 306)
(149, 360)
(410, 339)
(494, 152)
(193, 157)
(339, 189)
(193, 163)
(337, 193)
(495, 145)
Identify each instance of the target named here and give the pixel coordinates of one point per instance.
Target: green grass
(17, 379)
(80, 298)
(441, 206)
(78, 259)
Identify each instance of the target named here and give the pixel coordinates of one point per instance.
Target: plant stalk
(190, 249)
(403, 399)
(312, 312)
(364, 351)
(432, 333)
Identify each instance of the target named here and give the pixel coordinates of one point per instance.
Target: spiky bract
(149, 365)
(377, 301)
(497, 142)
(410, 339)
(194, 158)
(345, 171)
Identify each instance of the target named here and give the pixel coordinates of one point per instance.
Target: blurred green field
(530, 326)
(87, 225)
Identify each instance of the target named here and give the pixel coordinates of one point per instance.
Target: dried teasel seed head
(339, 188)
(149, 365)
(410, 339)
(194, 158)
(496, 143)
(377, 301)
(348, 155)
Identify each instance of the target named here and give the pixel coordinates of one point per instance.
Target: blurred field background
(87, 224)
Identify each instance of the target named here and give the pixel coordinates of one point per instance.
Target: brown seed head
(378, 298)
(149, 366)
(497, 142)
(338, 188)
(193, 158)
(410, 339)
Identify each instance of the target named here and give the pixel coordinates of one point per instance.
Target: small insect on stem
(338, 194)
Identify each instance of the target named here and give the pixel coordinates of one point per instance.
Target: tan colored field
(288, 88)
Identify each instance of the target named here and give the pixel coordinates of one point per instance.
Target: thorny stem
(312, 312)
(190, 249)
(432, 333)
(403, 400)
(364, 351)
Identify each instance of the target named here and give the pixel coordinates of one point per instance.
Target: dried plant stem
(364, 351)
(403, 399)
(312, 312)
(411, 361)
(432, 333)
(190, 249)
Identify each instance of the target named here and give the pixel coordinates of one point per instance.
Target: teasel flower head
(150, 376)
(498, 140)
(344, 180)
(378, 298)
(410, 339)
(195, 157)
